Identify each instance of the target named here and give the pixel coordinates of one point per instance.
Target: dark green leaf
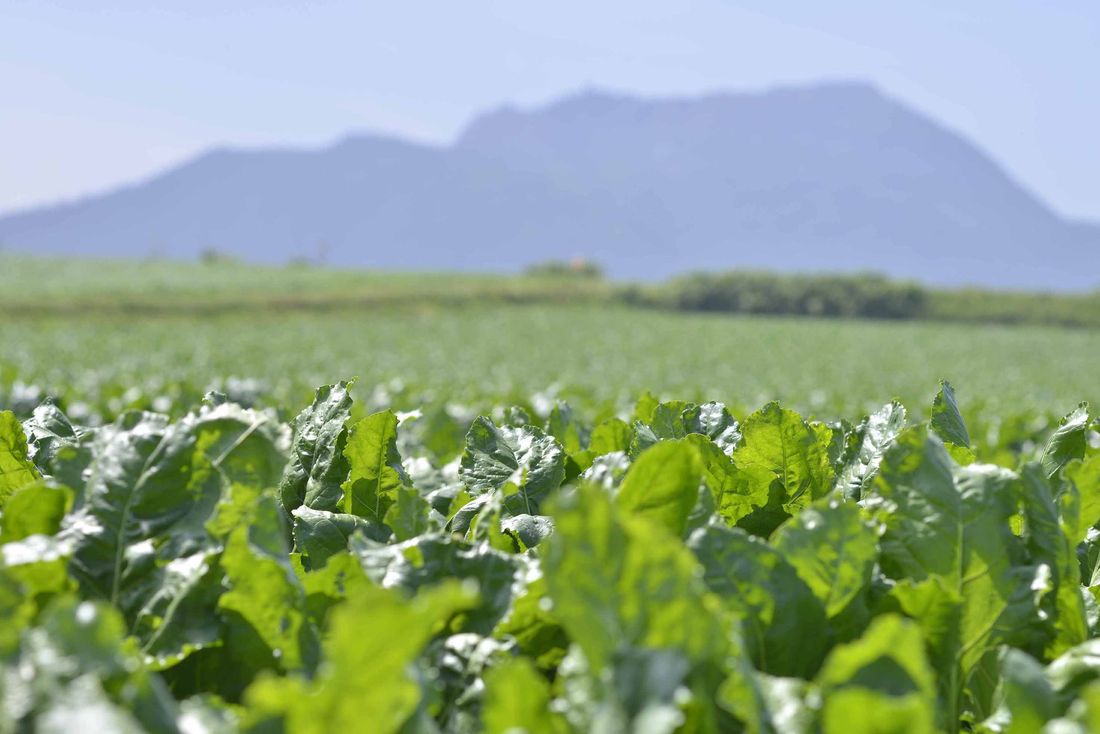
(317, 465)
(947, 421)
(1068, 442)
(524, 457)
(764, 591)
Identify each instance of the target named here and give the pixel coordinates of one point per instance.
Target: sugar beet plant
(676, 571)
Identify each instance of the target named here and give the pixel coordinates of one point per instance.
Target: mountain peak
(833, 176)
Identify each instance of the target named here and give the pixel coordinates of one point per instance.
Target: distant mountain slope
(835, 177)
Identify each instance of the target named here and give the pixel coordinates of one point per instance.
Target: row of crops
(675, 569)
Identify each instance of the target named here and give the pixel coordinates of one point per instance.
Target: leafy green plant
(673, 568)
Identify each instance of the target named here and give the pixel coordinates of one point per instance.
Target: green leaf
(832, 550)
(528, 531)
(662, 485)
(36, 509)
(459, 664)
(517, 699)
(713, 421)
(537, 633)
(376, 473)
(371, 643)
(946, 420)
(523, 457)
(264, 591)
(610, 435)
(734, 493)
(620, 582)
(146, 478)
(321, 535)
(1049, 530)
(668, 420)
(1085, 477)
(410, 514)
(75, 672)
(963, 574)
(1075, 670)
(177, 617)
(16, 468)
(782, 457)
(881, 682)
(429, 560)
(765, 592)
(862, 711)
(59, 449)
(645, 407)
(564, 426)
(317, 467)
(151, 490)
(873, 437)
(1026, 701)
(1068, 442)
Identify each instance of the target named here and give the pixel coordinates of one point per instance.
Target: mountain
(831, 177)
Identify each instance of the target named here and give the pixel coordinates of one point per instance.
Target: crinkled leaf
(317, 467)
(177, 617)
(430, 560)
(713, 421)
(523, 457)
(873, 437)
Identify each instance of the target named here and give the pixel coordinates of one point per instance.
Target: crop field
(595, 354)
(528, 515)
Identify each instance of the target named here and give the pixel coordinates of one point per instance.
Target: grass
(43, 286)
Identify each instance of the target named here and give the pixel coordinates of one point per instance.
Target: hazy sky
(98, 92)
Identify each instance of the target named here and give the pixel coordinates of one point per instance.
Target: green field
(594, 353)
(41, 286)
(538, 509)
(103, 336)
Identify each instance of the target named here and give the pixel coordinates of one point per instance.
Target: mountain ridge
(834, 177)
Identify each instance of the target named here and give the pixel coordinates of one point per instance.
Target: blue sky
(94, 93)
